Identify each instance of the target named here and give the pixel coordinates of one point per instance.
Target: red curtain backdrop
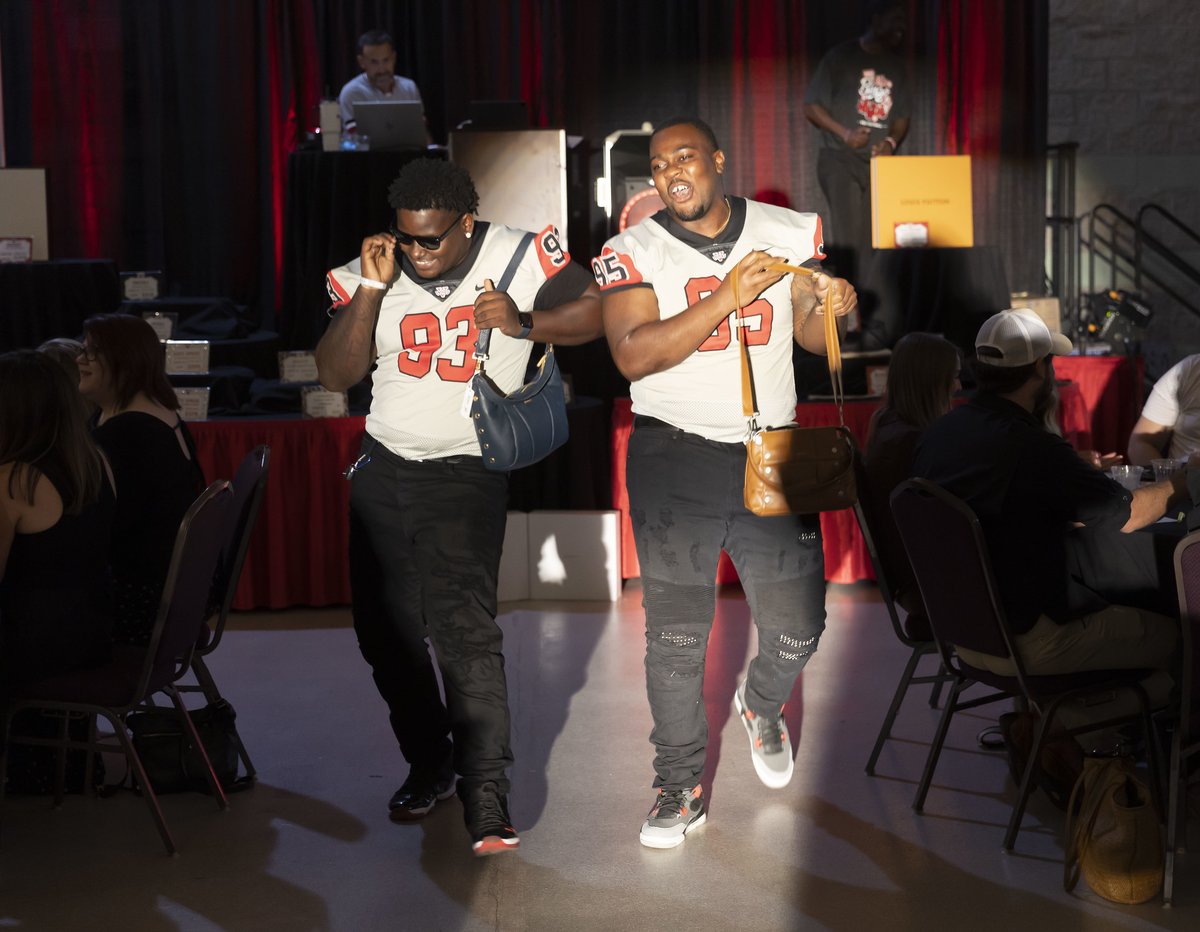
(74, 112)
(768, 68)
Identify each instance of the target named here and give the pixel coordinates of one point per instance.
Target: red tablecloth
(846, 557)
(298, 554)
(1111, 387)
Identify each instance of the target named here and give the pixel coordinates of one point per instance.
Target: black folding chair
(953, 568)
(864, 513)
(1185, 741)
(249, 485)
(135, 673)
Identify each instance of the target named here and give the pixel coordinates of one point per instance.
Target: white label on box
(16, 248)
(297, 366)
(163, 325)
(140, 286)
(187, 356)
(193, 403)
(318, 402)
(913, 233)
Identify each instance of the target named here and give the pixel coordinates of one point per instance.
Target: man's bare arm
(346, 350)
(1148, 441)
(642, 343)
(808, 295)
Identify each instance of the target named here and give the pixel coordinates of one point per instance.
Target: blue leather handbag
(527, 425)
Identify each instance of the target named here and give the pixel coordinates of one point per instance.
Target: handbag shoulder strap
(833, 349)
(485, 336)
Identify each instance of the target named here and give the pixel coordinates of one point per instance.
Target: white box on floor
(513, 584)
(575, 555)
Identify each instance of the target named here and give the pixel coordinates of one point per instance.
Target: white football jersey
(426, 335)
(703, 393)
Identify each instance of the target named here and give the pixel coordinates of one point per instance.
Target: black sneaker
(418, 795)
(486, 812)
(673, 815)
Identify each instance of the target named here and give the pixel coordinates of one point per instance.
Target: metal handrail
(1124, 240)
(1143, 237)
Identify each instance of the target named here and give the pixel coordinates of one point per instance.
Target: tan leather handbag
(1113, 838)
(794, 469)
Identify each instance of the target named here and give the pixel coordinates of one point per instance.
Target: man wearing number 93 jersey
(426, 519)
(668, 306)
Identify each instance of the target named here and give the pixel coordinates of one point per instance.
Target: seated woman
(56, 514)
(922, 379)
(122, 372)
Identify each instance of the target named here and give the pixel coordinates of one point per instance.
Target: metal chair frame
(917, 649)
(962, 600)
(160, 664)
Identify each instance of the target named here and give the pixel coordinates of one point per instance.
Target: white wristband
(895, 145)
(371, 283)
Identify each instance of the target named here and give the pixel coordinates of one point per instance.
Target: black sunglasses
(425, 242)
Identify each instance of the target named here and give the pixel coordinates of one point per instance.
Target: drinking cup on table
(1164, 469)
(1128, 476)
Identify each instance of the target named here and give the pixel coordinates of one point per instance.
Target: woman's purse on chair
(524, 426)
(793, 469)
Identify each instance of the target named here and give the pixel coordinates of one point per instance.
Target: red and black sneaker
(486, 812)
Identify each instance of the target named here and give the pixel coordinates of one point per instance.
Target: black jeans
(425, 541)
(685, 503)
(845, 180)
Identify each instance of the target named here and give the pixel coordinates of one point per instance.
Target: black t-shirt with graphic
(859, 88)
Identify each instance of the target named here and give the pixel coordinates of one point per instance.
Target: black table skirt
(41, 300)
(937, 290)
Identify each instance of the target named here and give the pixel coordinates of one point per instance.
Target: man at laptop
(378, 81)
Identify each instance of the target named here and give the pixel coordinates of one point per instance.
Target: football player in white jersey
(426, 518)
(668, 306)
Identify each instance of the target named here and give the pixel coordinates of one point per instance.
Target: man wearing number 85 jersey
(426, 519)
(669, 307)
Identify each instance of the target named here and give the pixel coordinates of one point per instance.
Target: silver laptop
(391, 124)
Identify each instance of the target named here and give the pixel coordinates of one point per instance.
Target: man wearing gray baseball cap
(1030, 490)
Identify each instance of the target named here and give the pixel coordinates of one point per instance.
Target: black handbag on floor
(172, 762)
(526, 425)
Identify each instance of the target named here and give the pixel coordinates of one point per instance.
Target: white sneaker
(673, 815)
(770, 747)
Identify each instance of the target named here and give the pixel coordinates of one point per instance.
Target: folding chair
(864, 513)
(1185, 742)
(954, 573)
(248, 487)
(135, 673)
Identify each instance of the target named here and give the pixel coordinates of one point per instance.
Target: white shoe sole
(775, 779)
(674, 841)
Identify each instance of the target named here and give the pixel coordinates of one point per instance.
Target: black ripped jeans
(685, 502)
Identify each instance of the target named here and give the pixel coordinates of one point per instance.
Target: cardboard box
(575, 555)
(929, 190)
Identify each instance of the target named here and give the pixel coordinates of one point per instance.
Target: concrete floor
(311, 848)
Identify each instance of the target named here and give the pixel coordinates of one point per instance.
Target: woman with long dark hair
(922, 379)
(56, 513)
(122, 371)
